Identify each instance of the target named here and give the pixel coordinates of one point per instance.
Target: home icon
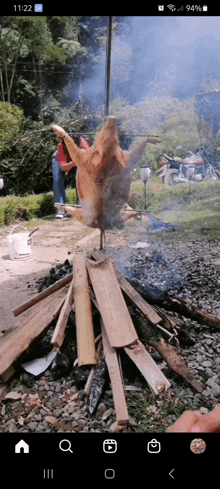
(22, 447)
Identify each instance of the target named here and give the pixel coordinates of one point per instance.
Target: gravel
(187, 271)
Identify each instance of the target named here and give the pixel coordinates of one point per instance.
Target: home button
(21, 447)
(109, 473)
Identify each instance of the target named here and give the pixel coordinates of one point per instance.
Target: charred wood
(159, 297)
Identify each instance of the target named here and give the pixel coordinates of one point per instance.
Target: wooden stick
(37, 298)
(59, 332)
(148, 367)
(144, 307)
(175, 362)
(58, 309)
(112, 306)
(83, 311)
(110, 355)
(188, 310)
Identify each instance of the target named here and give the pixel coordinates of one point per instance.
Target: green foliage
(26, 158)
(173, 120)
(10, 123)
(30, 39)
(13, 209)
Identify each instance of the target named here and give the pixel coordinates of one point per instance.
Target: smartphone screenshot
(109, 244)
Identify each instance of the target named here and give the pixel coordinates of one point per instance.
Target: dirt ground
(53, 242)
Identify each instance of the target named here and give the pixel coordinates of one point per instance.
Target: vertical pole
(145, 195)
(108, 64)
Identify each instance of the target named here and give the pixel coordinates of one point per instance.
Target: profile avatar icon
(197, 445)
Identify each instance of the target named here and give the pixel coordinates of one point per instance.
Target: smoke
(157, 56)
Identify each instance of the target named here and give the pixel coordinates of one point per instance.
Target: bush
(25, 208)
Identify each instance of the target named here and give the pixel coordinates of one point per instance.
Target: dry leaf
(50, 419)
(152, 409)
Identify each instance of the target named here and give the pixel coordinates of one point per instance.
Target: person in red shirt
(61, 164)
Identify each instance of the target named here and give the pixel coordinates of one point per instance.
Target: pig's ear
(121, 157)
(133, 157)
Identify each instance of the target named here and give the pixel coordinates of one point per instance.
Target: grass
(151, 415)
(197, 214)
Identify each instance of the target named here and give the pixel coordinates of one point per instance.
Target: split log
(148, 367)
(16, 342)
(110, 356)
(59, 332)
(89, 381)
(112, 306)
(37, 298)
(187, 309)
(175, 362)
(144, 307)
(83, 310)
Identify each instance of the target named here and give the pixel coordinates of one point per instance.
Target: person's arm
(61, 157)
(66, 166)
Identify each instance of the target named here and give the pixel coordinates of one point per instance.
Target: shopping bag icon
(153, 446)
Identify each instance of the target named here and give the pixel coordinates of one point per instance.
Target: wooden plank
(37, 298)
(144, 307)
(147, 366)
(59, 332)
(28, 314)
(19, 339)
(110, 355)
(83, 310)
(112, 306)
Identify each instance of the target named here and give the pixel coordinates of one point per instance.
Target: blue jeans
(58, 184)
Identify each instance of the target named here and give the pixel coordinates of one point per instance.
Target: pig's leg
(132, 158)
(127, 212)
(77, 213)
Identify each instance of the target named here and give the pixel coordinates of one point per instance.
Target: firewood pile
(95, 283)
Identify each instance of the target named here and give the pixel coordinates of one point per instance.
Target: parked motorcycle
(192, 167)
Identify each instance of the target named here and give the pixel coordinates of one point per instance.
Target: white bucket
(19, 244)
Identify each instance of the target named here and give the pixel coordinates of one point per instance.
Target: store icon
(153, 446)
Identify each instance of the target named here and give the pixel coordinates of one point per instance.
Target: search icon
(68, 449)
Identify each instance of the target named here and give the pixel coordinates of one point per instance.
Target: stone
(200, 358)
(207, 363)
(215, 390)
(13, 396)
(32, 426)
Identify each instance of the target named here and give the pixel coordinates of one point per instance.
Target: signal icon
(171, 7)
(180, 9)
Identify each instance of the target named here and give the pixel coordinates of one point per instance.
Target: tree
(10, 123)
(26, 38)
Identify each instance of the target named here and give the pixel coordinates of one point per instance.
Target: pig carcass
(103, 177)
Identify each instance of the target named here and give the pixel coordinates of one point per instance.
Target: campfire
(96, 287)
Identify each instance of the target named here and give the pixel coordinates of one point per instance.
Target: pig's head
(106, 146)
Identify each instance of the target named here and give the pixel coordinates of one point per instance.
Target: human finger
(185, 422)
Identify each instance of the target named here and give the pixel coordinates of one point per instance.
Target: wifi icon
(171, 7)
